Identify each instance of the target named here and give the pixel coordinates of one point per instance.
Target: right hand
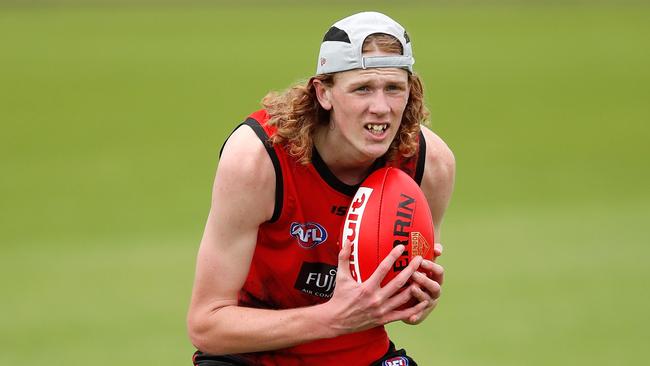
(359, 306)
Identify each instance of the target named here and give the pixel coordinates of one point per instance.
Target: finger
(418, 293)
(399, 299)
(344, 259)
(412, 292)
(425, 285)
(434, 270)
(385, 266)
(402, 277)
(437, 249)
(419, 317)
(406, 314)
(426, 307)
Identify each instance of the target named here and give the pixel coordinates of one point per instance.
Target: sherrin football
(388, 209)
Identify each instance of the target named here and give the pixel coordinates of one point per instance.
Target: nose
(379, 103)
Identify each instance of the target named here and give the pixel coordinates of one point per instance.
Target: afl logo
(309, 234)
(396, 361)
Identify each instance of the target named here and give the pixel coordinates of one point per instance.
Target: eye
(362, 89)
(394, 88)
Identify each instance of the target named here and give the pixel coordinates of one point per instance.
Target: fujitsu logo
(353, 223)
(323, 281)
(308, 234)
(317, 279)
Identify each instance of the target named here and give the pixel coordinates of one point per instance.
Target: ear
(323, 93)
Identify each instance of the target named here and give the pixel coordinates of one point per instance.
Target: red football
(388, 209)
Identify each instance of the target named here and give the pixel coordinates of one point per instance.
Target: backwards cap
(342, 45)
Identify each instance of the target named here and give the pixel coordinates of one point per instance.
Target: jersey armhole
(422, 157)
(264, 138)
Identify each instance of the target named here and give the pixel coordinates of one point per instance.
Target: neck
(345, 163)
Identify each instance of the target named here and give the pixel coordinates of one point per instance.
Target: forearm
(235, 329)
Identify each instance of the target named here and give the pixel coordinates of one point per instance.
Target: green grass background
(112, 116)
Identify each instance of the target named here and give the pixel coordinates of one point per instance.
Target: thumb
(437, 249)
(344, 259)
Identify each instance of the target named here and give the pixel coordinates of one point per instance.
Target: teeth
(376, 127)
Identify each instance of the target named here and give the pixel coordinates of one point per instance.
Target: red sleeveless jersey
(296, 256)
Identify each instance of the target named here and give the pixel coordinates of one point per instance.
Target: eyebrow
(371, 81)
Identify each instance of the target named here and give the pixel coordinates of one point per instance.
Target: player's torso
(295, 259)
(296, 256)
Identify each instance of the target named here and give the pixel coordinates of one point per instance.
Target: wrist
(321, 316)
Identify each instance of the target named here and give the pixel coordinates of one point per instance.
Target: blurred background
(112, 114)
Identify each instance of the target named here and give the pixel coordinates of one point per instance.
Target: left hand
(426, 288)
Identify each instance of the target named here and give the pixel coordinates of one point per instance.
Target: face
(366, 108)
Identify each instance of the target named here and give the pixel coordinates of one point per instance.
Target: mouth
(376, 128)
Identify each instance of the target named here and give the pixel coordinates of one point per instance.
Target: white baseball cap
(342, 45)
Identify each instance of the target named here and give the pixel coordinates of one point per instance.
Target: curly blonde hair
(297, 113)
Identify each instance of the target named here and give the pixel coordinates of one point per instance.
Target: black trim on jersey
(227, 138)
(279, 183)
(203, 359)
(422, 157)
(332, 180)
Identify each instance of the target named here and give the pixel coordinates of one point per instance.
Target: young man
(264, 291)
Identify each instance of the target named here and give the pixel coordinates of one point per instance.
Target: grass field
(112, 118)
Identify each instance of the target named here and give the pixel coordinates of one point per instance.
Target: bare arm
(243, 199)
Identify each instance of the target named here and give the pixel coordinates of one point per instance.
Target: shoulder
(438, 178)
(245, 169)
(440, 163)
(243, 150)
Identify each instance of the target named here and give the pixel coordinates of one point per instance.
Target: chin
(376, 152)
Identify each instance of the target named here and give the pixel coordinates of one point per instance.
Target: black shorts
(393, 357)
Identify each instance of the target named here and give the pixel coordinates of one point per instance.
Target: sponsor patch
(396, 361)
(317, 279)
(309, 234)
